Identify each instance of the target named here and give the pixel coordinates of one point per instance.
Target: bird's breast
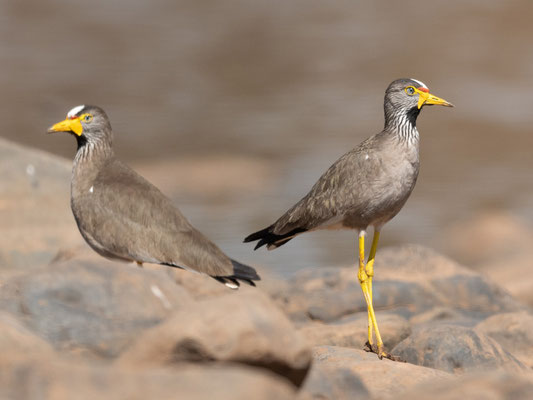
(381, 190)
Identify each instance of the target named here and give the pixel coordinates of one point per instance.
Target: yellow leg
(363, 281)
(366, 281)
(370, 273)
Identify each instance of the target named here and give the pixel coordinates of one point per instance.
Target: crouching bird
(124, 217)
(365, 187)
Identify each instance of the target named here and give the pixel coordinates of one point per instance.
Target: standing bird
(123, 216)
(365, 187)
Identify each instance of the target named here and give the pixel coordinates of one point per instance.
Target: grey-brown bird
(122, 216)
(365, 187)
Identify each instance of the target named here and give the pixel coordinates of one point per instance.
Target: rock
(96, 307)
(449, 284)
(513, 331)
(494, 385)
(441, 314)
(380, 377)
(244, 327)
(408, 280)
(352, 331)
(199, 286)
(513, 274)
(15, 338)
(335, 383)
(455, 349)
(497, 244)
(58, 380)
(323, 294)
(34, 207)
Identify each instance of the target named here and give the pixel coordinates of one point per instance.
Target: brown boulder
(34, 208)
(455, 349)
(499, 245)
(352, 331)
(202, 287)
(42, 379)
(91, 306)
(380, 377)
(493, 385)
(199, 286)
(333, 383)
(408, 280)
(441, 314)
(15, 338)
(513, 331)
(244, 327)
(513, 274)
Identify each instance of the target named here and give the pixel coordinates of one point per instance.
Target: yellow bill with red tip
(424, 97)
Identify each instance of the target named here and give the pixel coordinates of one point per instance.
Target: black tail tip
(257, 235)
(270, 239)
(264, 236)
(241, 273)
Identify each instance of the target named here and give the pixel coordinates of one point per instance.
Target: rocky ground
(76, 326)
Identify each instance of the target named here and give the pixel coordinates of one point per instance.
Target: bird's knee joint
(362, 276)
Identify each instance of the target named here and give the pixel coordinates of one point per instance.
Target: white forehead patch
(420, 83)
(75, 110)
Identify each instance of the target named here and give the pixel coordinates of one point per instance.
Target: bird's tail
(270, 239)
(241, 272)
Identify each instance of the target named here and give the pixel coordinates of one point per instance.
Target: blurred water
(290, 84)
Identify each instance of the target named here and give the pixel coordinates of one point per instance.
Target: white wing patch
(75, 110)
(420, 83)
(231, 285)
(91, 189)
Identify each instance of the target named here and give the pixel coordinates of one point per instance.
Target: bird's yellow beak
(68, 125)
(424, 97)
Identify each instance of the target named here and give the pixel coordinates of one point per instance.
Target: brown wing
(131, 219)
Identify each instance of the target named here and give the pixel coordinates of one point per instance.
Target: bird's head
(88, 123)
(407, 94)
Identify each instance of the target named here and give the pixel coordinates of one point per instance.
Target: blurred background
(235, 108)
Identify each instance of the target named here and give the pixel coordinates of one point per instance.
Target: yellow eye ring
(87, 117)
(410, 90)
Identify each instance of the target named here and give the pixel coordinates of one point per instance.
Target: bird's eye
(410, 90)
(88, 118)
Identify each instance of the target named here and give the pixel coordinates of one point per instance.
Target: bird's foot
(372, 348)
